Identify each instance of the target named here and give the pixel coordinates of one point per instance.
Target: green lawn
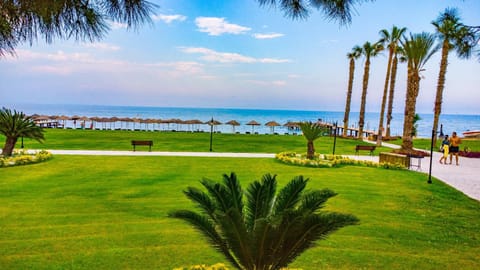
(186, 141)
(95, 212)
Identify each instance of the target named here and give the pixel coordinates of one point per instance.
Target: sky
(237, 54)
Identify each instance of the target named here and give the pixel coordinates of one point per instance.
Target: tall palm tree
(353, 55)
(26, 21)
(15, 125)
(393, 79)
(368, 50)
(451, 33)
(268, 229)
(300, 9)
(418, 49)
(391, 39)
(311, 132)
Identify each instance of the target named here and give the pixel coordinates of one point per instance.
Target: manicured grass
(187, 141)
(97, 212)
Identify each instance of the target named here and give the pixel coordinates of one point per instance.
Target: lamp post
(211, 134)
(431, 156)
(21, 146)
(335, 136)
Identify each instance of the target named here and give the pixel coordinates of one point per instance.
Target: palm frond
(315, 200)
(207, 228)
(260, 198)
(290, 195)
(311, 229)
(234, 190)
(219, 193)
(238, 239)
(202, 199)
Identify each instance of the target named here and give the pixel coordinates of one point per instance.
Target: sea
(449, 122)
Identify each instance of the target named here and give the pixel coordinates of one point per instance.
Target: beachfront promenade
(464, 178)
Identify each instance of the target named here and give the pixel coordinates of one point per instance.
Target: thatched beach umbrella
(253, 123)
(272, 125)
(234, 124)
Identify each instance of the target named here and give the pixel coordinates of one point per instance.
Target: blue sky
(236, 54)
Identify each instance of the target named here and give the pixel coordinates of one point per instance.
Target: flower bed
(329, 161)
(24, 158)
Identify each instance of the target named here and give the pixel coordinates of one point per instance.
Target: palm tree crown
(14, 125)
(26, 20)
(300, 9)
(266, 229)
(311, 132)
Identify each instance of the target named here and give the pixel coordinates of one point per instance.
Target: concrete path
(465, 177)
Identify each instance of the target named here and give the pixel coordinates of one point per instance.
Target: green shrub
(23, 157)
(329, 161)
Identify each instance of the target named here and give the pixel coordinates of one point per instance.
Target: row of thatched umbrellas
(112, 120)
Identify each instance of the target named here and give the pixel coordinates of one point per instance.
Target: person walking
(455, 142)
(445, 148)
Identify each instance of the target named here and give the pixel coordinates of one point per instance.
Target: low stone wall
(393, 158)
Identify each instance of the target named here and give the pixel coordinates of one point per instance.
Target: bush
(23, 157)
(329, 161)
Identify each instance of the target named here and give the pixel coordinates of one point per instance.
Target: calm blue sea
(451, 122)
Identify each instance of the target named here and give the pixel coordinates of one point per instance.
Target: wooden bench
(135, 143)
(370, 148)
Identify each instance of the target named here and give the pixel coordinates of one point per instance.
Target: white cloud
(224, 57)
(267, 36)
(217, 26)
(117, 25)
(277, 83)
(61, 63)
(102, 46)
(169, 18)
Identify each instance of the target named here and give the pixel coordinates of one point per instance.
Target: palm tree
(15, 125)
(418, 49)
(451, 32)
(353, 55)
(368, 50)
(391, 38)
(25, 20)
(311, 132)
(391, 92)
(266, 230)
(300, 9)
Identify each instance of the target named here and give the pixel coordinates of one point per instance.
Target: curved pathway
(465, 177)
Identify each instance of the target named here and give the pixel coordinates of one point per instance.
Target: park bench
(370, 148)
(135, 143)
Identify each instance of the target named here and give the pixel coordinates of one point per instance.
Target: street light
(21, 146)
(431, 156)
(335, 136)
(211, 134)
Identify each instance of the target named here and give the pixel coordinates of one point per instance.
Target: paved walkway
(465, 177)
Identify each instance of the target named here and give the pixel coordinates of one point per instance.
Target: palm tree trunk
(391, 95)
(361, 120)
(384, 98)
(9, 146)
(410, 104)
(440, 87)
(349, 97)
(310, 150)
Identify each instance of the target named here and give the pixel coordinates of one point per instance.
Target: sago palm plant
(14, 125)
(311, 132)
(261, 229)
